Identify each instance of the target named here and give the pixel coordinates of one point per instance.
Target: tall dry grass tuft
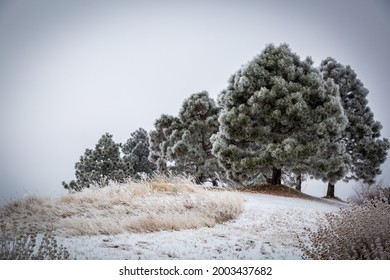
(152, 204)
(361, 232)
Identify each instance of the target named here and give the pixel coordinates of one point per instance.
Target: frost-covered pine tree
(277, 113)
(332, 163)
(366, 150)
(185, 141)
(192, 146)
(98, 166)
(136, 153)
(160, 141)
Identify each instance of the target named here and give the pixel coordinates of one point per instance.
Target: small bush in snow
(27, 246)
(361, 232)
(370, 191)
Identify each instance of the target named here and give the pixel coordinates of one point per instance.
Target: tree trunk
(276, 176)
(330, 192)
(299, 183)
(199, 179)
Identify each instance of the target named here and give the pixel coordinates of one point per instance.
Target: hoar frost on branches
(182, 144)
(278, 113)
(364, 147)
(160, 140)
(136, 153)
(98, 166)
(105, 163)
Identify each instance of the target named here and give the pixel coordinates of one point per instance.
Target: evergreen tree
(98, 166)
(362, 135)
(159, 141)
(136, 153)
(192, 145)
(277, 113)
(185, 141)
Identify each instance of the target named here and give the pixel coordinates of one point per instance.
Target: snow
(268, 228)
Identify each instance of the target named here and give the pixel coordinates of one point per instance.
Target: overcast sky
(72, 70)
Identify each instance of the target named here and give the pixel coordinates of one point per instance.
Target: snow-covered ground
(268, 228)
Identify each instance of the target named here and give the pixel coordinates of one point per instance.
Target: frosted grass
(150, 205)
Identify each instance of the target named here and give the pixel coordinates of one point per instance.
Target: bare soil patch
(278, 190)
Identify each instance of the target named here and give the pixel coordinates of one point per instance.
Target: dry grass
(361, 232)
(365, 191)
(156, 204)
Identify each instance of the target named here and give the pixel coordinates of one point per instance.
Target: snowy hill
(266, 229)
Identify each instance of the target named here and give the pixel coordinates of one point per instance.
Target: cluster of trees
(183, 144)
(278, 115)
(111, 161)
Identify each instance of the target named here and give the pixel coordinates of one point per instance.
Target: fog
(72, 70)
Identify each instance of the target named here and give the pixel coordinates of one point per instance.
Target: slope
(268, 228)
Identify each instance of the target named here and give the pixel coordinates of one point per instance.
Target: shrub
(30, 246)
(360, 232)
(370, 191)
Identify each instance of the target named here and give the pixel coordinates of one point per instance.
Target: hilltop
(175, 220)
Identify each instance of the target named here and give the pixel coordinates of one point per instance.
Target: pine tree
(98, 166)
(185, 141)
(362, 135)
(277, 113)
(159, 141)
(136, 153)
(192, 145)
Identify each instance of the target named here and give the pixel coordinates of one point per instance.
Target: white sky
(73, 70)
